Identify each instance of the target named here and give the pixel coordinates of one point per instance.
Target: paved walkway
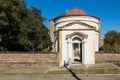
(60, 77)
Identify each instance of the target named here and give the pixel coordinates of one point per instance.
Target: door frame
(79, 42)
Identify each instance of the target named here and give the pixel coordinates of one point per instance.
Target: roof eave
(73, 15)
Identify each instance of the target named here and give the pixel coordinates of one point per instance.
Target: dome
(76, 11)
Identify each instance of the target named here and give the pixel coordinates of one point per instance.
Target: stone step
(77, 66)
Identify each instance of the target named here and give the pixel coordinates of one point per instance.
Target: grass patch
(81, 71)
(88, 71)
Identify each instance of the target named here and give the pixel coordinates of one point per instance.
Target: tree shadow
(73, 74)
(117, 64)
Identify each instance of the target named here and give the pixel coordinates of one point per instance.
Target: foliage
(10, 11)
(112, 41)
(34, 35)
(46, 50)
(22, 28)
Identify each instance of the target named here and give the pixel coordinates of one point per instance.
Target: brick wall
(29, 60)
(47, 60)
(107, 58)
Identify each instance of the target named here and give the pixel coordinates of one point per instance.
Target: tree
(111, 41)
(23, 27)
(34, 35)
(10, 11)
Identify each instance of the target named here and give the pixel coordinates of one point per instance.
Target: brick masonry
(107, 58)
(47, 60)
(29, 59)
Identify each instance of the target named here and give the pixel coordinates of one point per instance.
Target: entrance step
(77, 66)
(77, 62)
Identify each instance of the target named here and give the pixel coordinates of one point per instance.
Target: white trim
(70, 54)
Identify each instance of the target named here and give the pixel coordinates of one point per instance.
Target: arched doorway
(77, 49)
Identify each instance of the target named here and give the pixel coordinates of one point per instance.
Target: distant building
(101, 42)
(75, 35)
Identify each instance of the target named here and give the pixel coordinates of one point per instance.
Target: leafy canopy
(22, 28)
(112, 41)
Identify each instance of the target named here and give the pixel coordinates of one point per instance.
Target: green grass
(57, 72)
(89, 71)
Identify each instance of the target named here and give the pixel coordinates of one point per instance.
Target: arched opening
(77, 49)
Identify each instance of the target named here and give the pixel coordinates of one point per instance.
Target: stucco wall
(85, 19)
(29, 59)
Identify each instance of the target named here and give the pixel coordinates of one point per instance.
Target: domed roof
(76, 11)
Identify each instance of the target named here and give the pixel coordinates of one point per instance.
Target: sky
(107, 10)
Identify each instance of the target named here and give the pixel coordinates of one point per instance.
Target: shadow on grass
(117, 64)
(73, 74)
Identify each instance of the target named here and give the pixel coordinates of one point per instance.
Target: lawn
(87, 71)
(38, 71)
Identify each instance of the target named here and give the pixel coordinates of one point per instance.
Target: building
(75, 35)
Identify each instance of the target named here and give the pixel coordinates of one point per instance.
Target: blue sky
(107, 10)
